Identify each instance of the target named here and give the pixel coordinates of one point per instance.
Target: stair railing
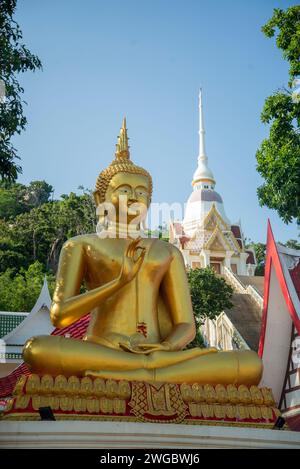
(254, 294)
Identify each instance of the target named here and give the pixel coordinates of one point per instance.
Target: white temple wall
(243, 265)
(206, 257)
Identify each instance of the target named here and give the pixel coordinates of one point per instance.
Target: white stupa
(206, 236)
(204, 195)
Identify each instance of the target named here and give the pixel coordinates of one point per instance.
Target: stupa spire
(202, 174)
(202, 150)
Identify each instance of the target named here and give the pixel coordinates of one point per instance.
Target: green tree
(17, 198)
(278, 158)
(39, 233)
(12, 201)
(19, 291)
(260, 254)
(161, 232)
(210, 296)
(12, 252)
(73, 215)
(292, 244)
(37, 193)
(15, 58)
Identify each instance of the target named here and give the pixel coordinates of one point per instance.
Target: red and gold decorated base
(98, 399)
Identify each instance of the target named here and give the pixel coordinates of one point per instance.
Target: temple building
(206, 237)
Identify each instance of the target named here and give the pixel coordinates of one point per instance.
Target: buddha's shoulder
(80, 240)
(170, 248)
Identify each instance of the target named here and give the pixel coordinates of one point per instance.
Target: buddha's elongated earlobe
(102, 223)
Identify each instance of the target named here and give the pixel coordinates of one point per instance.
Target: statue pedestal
(97, 413)
(104, 435)
(76, 398)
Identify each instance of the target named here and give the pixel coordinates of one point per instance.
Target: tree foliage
(286, 24)
(18, 198)
(19, 291)
(292, 244)
(39, 231)
(15, 58)
(260, 254)
(210, 296)
(33, 228)
(278, 158)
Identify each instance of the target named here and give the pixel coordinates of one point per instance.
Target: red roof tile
(183, 240)
(250, 258)
(295, 276)
(236, 231)
(239, 241)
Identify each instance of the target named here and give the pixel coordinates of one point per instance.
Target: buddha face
(129, 195)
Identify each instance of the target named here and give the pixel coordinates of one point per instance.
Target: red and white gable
(280, 335)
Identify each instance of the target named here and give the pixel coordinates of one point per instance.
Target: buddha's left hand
(149, 348)
(146, 348)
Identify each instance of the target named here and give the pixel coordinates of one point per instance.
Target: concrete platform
(80, 434)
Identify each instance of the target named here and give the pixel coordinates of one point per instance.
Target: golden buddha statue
(138, 294)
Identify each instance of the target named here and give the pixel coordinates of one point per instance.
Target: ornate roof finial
(122, 147)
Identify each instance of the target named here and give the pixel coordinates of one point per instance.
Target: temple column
(227, 260)
(206, 257)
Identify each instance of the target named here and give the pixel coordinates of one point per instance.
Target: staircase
(246, 312)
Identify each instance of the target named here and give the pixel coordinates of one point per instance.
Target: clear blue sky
(146, 60)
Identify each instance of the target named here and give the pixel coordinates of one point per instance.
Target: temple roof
(236, 230)
(206, 195)
(75, 331)
(20, 326)
(250, 258)
(9, 321)
(295, 276)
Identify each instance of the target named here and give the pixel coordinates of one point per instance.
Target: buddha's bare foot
(130, 375)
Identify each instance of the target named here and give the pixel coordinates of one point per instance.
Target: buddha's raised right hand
(131, 261)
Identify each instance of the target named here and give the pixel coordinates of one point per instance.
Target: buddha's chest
(104, 260)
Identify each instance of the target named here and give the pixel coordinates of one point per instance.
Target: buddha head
(123, 190)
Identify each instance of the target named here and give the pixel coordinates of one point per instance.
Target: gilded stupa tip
(122, 147)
